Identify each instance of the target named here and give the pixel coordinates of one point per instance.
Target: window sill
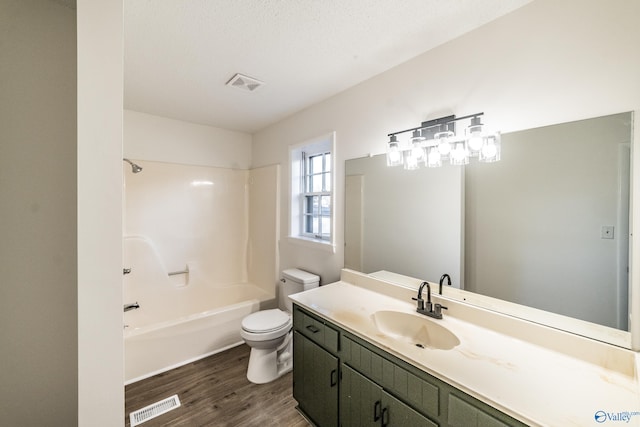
(313, 244)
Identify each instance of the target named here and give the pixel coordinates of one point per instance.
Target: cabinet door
(365, 404)
(360, 400)
(397, 414)
(465, 414)
(315, 381)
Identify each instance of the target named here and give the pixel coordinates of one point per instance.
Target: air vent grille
(156, 409)
(241, 81)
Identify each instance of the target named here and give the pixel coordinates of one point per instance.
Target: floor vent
(154, 410)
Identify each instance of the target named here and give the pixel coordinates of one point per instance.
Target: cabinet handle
(333, 378)
(376, 411)
(385, 417)
(312, 328)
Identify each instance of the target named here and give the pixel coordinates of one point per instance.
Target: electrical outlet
(606, 232)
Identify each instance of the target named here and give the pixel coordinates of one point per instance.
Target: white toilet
(269, 332)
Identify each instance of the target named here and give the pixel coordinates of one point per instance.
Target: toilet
(269, 332)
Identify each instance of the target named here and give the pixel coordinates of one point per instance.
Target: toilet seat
(266, 324)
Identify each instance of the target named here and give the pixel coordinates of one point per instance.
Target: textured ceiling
(180, 54)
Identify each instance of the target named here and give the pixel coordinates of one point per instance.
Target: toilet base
(266, 365)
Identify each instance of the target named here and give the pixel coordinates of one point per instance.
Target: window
(311, 218)
(316, 196)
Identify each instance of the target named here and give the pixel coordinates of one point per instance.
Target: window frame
(299, 155)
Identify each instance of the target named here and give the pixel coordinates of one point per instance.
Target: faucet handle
(437, 309)
(420, 303)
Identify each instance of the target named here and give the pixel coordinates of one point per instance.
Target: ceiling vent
(244, 82)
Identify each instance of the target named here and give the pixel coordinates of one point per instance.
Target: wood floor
(215, 392)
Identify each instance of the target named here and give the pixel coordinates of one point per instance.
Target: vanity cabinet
(342, 380)
(364, 403)
(316, 369)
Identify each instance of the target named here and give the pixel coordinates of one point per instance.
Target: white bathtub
(156, 345)
(176, 325)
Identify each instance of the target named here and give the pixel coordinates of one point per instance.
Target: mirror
(546, 227)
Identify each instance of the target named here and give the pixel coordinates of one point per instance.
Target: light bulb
(417, 152)
(474, 136)
(410, 161)
(444, 148)
(475, 142)
(490, 151)
(434, 159)
(394, 155)
(459, 154)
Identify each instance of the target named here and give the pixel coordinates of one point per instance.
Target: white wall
(99, 166)
(150, 137)
(548, 62)
(38, 315)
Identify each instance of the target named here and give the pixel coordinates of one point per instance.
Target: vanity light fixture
(436, 140)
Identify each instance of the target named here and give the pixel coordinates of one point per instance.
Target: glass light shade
(434, 159)
(394, 154)
(444, 147)
(474, 136)
(417, 151)
(459, 153)
(491, 149)
(411, 161)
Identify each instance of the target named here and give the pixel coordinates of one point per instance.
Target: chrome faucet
(129, 307)
(427, 307)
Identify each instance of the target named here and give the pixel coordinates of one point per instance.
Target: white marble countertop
(509, 367)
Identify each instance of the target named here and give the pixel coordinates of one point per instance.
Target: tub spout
(134, 306)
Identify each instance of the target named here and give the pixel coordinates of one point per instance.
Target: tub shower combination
(175, 325)
(180, 313)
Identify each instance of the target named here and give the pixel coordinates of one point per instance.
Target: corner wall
(99, 166)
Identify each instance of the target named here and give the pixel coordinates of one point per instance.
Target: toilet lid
(265, 321)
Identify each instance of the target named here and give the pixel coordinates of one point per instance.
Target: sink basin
(415, 329)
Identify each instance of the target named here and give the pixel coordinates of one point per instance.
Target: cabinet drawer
(315, 329)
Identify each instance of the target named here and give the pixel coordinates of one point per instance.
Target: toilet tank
(293, 281)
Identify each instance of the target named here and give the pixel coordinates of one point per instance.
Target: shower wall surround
(224, 220)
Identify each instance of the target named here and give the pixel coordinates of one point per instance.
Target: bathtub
(179, 321)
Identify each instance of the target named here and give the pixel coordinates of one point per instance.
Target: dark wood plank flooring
(215, 392)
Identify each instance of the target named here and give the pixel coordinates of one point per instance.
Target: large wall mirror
(547, 227)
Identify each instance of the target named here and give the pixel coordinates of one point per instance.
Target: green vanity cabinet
(342, 380)
(316, 369)
(315, 381)
(364, 403)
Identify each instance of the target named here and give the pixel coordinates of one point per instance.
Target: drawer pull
(385, 417)
(334, 378)
(376, 411)
(312, 328)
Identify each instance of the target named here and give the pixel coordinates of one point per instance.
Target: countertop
(509, 367)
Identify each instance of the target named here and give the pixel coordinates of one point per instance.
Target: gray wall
(38, 251)
(411, 220)
(533, 220)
